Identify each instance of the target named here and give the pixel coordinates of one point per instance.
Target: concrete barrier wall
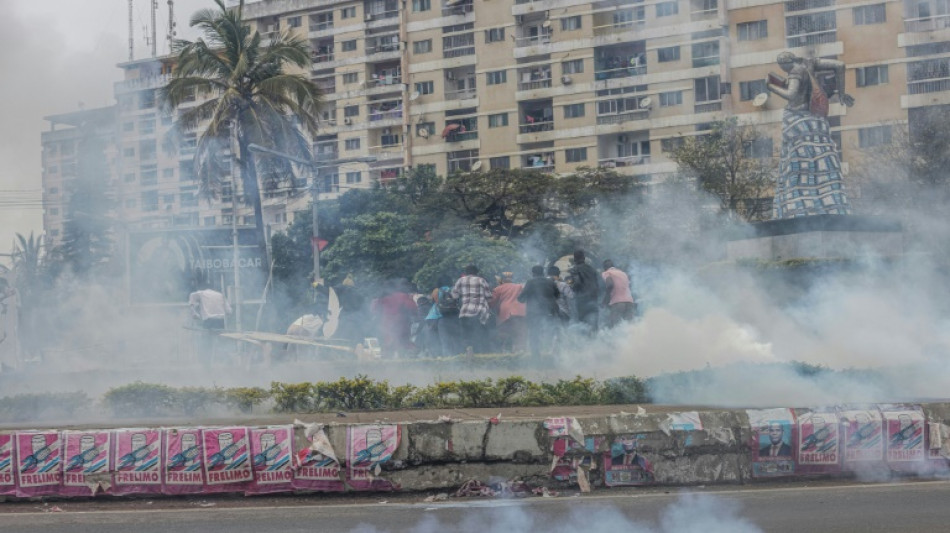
(623, 448)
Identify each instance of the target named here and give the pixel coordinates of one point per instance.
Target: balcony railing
(459, 137)
(927, 23)
(933, 85)
(708, 107)
(375, 115)
(461, 94)
(384, 81)
(382, 48)
(536, 84)
(625, 161)
(816, 37)
(608, 29)
(536, 127)
(321, 26)
(622, 72)
(626, 116)
(534, 40)
(702, 14)
(325, 57)
(370, 16)
(459, 51)
(381, 153)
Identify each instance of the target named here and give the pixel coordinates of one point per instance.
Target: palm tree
(246, 96)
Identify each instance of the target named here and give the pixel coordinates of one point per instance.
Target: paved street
(919, 506)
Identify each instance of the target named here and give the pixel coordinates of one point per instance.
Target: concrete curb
(622, 448)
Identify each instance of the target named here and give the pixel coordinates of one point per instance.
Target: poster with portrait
(624, 465)
(87, 469)
(773, 435)
(272, 459)
(367, 447)
(39, 469)
(571, 455)
(183, 461)
(7, 462)
(818, 442)
(138, 465)
(226, 459)
(862, 437)
(904, 438)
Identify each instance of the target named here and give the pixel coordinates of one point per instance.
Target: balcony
(617, 118)
(938, 22)
(385, 111)
(931, 85)
(457, 7)
(458, 45)
(138, 84)
(384, 44)
(385, 152)
(324, 56)
(374, 15)
(536, 127)
(626, 161)
(535, 38)
(534, 78)
(543, 162)
(461, 94)
(620, 61)
(708, 107)
(812, 38)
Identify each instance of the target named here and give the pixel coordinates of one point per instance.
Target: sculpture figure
(809, 181)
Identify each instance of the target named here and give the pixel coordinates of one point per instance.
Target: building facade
(548, 84)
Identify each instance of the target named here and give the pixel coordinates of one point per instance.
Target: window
(351, 111)
(574, 111)
(752, 31)
(351, 77)
(499, 162)
(427, 127)
(671, 98)
(666, 9)
(571, 23)
(575, 155)
(707, 89)
(815, 28)
(670, 53)
(150, 201)
(168, 173)
(352, 144)
(700, 7)
(575, 66)
(494, 35)
(354, 177)
(149, 175)
(128, 152)
(168, 198)
(294, 22)
(209, 221)
(869, 15)
(421, 5)
(425, 87)
(705, 54)
(348, 46)
(874, 136)
(128, 126)
(498, 121)
(147, 127)
(496, 78)
(626, 18)
(348, 12)
(422, 47)
(129, 178)
(875, 75)
(748, 90)
(671, 144)
(458, 45)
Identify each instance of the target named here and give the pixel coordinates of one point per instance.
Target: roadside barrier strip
(617, 450)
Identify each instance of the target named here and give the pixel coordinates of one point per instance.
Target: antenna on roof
(154, 9)
(131, 33)
(172, 32)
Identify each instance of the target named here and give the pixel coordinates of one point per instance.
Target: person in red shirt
(617, 297)
(395, 312)
(509, 314)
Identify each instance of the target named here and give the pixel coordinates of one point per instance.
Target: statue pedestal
(819, 237)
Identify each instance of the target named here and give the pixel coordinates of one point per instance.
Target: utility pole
(235, 171)
(314, 196)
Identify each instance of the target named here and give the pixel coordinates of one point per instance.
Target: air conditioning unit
(347, 121)
(566, 80)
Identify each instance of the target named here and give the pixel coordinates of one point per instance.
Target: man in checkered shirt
(473, 294)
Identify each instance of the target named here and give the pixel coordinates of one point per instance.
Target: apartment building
(547, 84)
(557, 84)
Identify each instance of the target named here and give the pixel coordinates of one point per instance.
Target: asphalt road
(911, 506)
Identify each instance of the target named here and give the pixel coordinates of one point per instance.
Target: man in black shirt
(540, 297)
(586, 285)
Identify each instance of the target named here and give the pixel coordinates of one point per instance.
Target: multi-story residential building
(545, 84)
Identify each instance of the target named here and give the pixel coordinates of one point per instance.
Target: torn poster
(138, 461)
(367, 446)
(862, 437)
(317, 465)
(685, 421)
(87, 469)
(272, 459)
(570, 455)
(818, 442)
(905, 435)
(184, 473)
(564, 427)
(771, 442)
(624, 465)
(226, 456)
(40, 469)
(7, 460)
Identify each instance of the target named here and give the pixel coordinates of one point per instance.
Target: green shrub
(292, 397)
(32, 407)
(357, 393)
(141, 400)
(624, 390)
(245, 399)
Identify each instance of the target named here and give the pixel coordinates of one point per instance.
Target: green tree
(503, 202)
(376, 247)
(247, 94)
(729, 163)
(450, 256)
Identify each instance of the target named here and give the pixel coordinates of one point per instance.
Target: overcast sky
(56, 54)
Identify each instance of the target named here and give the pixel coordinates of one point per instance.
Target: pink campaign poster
(7, 460)
(227, 459)
(818, 443)
(366, 448)
(40, 467)
(318, 468)
(138, 461)
(905, 437)
(87, 470)
(272, 459)
(183, 461)
(862, 438)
